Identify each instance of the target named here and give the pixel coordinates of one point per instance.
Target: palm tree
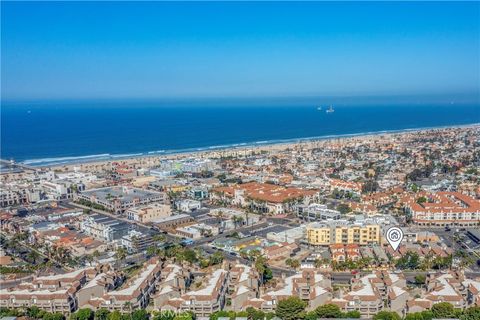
(96, 254)
(159, 238)
(33, 256)
(121, 253)
(427, 261)
(260, 267)
(237, 220)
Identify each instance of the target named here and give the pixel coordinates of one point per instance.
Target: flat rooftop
(122, 193)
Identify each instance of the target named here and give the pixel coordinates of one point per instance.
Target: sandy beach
(149, 161)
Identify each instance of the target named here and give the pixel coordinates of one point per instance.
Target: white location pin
(394, 237)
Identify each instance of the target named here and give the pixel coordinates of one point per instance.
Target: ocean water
(60, 133)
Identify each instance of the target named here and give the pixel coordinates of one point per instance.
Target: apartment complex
(265, 197)
(55, 293)
(209, 298)
(368, 293)
(309, 285)
(11, 195)
(134, 294)
(174, 281)
(243, 284)
(443, 209)
(451, 287)
(343, 232)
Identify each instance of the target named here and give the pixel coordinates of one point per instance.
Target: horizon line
(474, 97)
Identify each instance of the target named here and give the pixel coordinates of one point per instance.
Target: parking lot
(460, 240)
(273, 228)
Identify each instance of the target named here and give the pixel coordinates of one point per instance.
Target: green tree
(221, 314)
(443, 310)
(140, 314)
(387, 315)
(344, 208)
(255, 314)
(420, 279)
(311, 315)
(290, 308)
(427, 315)
(53, 316)
(102, 314)
(216, 258)
(414, 316)
(329, 311)
(115, 315)
(121, 253)
(33, 312)
(186, 255)
(82, 314)
(472, 313)
(410, 260)
(352, 314)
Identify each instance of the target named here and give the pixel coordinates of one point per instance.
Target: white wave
(104, 156)
(63, 159)
(126, 155)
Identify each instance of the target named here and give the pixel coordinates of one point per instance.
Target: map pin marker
(394, 237)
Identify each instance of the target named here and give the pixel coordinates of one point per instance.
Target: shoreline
(102, 159)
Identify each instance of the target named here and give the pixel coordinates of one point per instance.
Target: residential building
(444, 209)
(243, 284)
(308, 285)
(265, 197)
(54, 293)
(204, 301)
(343, 232)
(367, 293)
(135, 294)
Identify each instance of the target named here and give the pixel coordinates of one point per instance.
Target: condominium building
(368, 293)
(443, 209)
(135, 294)
(345, 186)
(265, 197)
(174, 280)
(446, 287)
(343, 232)
(149, 213)
(243, 284)
(61, 189)
(209, 298)
(309, 285)
(55, 293)
(16, 194)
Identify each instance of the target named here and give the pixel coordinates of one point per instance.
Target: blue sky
(92, 50)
